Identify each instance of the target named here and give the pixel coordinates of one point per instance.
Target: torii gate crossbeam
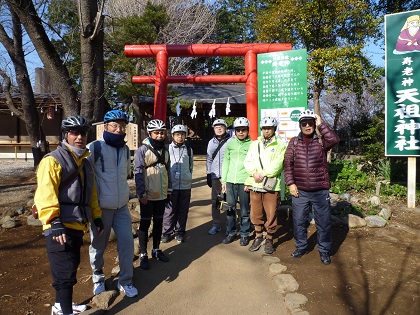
(161, 79)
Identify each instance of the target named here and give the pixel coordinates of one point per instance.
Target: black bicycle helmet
(114, 115)
(75, 122)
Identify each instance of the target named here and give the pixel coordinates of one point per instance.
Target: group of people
(249, 173)
(83, 187)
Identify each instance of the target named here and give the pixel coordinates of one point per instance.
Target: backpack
(97, 148)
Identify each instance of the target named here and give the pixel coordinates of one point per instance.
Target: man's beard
(412, 30)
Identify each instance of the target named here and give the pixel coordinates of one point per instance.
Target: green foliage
(349, 177)
(373, 139)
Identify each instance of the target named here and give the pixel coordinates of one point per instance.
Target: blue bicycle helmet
(114, 115)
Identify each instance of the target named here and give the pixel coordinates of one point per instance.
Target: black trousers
(153, 209)
(64, 261)
(175, 218)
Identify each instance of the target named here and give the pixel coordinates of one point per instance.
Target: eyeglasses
(76, 133)
(117, 126)
(307, 123)
(241, 129)
(158, 133)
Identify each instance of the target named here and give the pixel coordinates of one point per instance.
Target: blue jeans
(320, 201)
(233, 192)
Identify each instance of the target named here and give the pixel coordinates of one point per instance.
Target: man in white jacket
(111, 159)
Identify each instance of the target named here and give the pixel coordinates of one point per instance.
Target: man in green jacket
(264, 160)
(233, 179)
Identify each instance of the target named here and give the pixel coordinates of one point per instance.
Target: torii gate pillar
(161, 80)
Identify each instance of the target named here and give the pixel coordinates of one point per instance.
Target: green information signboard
(283, 89)
(402, 72)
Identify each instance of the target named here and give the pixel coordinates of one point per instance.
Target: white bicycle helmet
(156, 124)
(307, 114)
(241, 122)
(179, 128)
(219, 122)
(268, 122)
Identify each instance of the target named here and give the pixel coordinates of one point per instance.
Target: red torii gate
(161, 79)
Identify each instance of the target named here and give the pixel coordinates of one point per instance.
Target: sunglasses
(307, 123)
(158, 133)
(76, 133)
(240, 129)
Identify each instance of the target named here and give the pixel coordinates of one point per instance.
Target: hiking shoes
(298, 253)
(268, 247)
(56, 309)
(256, 244)
(214, 230)
(144, 262)
(325, 258)
(165, 238)
(129, 290)
(180, 238)
(229, 239)
(98, 287)
(159, 255)
(244, 241)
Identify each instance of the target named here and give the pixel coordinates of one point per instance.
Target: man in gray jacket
(215, 151)
(110, 157)
(176, 211)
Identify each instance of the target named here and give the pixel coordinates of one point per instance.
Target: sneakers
(129, 290)
(229, 239)
(56, 309)
(144, 262)
(180, 238)
(256, 244)
(298, 253)
(325, 258)
(214, 230)
(268, 247)
(244, 241)
(165, 238)
(98, 287)
(159, 255)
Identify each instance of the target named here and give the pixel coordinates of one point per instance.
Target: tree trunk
(54, 66)
(91, 43)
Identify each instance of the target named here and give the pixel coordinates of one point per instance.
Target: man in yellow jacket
(66, 200)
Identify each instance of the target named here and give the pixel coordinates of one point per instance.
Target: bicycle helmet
(241, 122)
(114, 115)
(219, 122)
(75, 122)
(268, 122)
(179, 128)
(307, 114)
(156, 124)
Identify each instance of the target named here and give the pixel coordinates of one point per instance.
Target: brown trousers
(264, 212)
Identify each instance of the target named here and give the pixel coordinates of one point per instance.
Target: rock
(30, 203)
(334, 197)
(112, 236)
(295, 300)
(105, 299)
(385, 213)
(136, 247)
(345, 197)
(33, 222)
(271, 259)
(9, 213)
(135, 216)
(9, 224)
(300, 312)
(132, 204)
(355, 221)
(115, 271)
(375, 200)
(375, 221)
(285, 283)
(20, 210)
(276, 269)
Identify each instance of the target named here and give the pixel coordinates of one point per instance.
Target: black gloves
(57, 228)
(209, 183)
(99, 225)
